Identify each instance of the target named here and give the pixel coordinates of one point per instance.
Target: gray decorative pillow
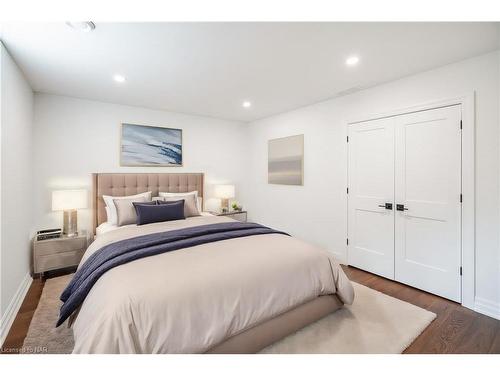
(111, 207)
(125, 210)
(190, 202)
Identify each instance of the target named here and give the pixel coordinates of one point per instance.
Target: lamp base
(224, 205)
(70, 223)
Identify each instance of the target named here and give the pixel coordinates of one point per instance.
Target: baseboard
(13, 308)
(487, 307)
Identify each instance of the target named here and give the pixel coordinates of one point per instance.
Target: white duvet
(190, 300)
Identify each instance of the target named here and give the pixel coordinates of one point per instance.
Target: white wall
(16, 184)
(75, 137)
(317, 211)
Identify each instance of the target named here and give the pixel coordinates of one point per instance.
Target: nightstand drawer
(60, 246)
(51, 262)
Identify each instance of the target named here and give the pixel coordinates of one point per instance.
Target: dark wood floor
(455, 330)
(19, 329)
(14, 341)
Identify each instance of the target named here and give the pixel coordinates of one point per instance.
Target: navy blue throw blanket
(121, 252)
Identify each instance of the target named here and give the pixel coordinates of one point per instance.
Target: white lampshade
(69, 199)
(224, 191)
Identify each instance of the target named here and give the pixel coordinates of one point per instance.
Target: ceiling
(211, 68)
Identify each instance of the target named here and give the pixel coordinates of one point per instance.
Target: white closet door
(427, 183)
(371, 186)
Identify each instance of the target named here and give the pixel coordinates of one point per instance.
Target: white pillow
(108, 214)
(111, 208)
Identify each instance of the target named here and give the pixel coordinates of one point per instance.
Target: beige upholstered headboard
(120, 184)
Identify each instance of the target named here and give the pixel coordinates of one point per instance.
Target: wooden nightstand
(236, 215)
(58, 253)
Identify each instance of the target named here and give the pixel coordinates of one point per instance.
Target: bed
(237, 295)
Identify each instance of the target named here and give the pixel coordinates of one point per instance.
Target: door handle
(387, 206)
(401, 207)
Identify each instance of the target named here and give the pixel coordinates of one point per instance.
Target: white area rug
(375, 323)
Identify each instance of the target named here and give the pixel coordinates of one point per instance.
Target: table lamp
(224, 192)
(69, 201)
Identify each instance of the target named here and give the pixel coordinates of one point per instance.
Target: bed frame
(254, 338)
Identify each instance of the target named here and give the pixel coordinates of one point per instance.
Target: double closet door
(404, 199)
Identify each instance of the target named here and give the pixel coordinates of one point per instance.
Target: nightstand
(236, 215)
(58, 253)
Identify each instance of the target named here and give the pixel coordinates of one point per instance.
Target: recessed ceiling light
(246, 104)
(119, 78)
(82, 26)
(353, 60)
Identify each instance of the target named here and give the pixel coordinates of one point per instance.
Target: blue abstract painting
(150, 146)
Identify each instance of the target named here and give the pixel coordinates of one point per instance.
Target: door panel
(371, 185)
(427, 183)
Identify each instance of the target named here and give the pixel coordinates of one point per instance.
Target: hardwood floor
(455, 329)
(14, 341)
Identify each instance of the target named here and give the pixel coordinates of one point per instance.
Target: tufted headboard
(120, 184)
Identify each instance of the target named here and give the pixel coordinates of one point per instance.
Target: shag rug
(375, 323)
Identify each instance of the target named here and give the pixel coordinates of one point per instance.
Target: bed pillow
(125, 209)
(199, 201)
(190, 201)
(111, 208)
(167, 211)
(108, 214)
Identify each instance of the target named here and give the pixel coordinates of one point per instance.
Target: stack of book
(48, 234)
